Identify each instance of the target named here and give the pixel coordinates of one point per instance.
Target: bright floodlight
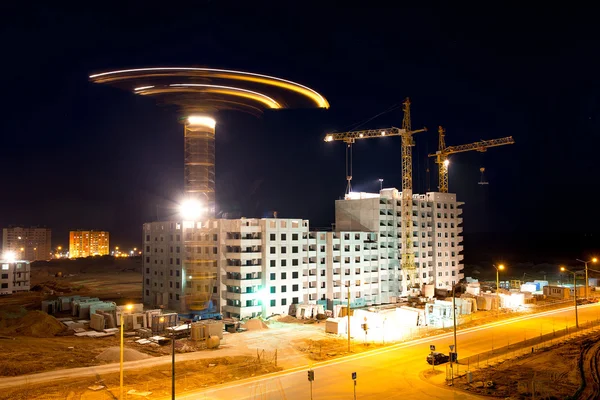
(446, 163)
(190, 209)
(9, 256)
(382, 133)
(202, 120)
(329, 138)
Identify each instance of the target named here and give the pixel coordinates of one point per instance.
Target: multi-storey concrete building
(29, 244)
(249, 267)
(14, 276)
(436, 234)
(88, 243)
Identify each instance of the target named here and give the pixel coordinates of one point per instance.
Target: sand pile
(32, 323)
(288, 319)
(255, 325)
(113, 354)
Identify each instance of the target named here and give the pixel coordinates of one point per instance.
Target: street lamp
(575, 290)
(162, 320)
(498, 269)
(455, 350)
(128, 307)
(593, 260)
(380, 184)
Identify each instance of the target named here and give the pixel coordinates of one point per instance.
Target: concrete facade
(437, 234)
(251, 267)
(29, 244)
(14, 276)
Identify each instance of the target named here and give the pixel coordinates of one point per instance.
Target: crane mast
(443, 152)
(408, 256)
(407, 259)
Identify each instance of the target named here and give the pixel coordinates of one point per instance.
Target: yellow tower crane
(443, 153)
(406, 133)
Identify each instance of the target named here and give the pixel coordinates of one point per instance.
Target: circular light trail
(199, 93)
(265, 82)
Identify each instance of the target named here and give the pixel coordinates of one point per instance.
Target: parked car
(436, 358)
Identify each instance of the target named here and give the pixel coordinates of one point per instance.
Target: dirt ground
(108, 278)
(552, 371)
(198, 374)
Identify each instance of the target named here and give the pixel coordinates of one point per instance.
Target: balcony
(244, 255)
(243, 242)
(250, 229)
(460, 248)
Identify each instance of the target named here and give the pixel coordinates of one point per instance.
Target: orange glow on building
(88, 243)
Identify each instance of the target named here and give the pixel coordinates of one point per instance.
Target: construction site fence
(503, 350)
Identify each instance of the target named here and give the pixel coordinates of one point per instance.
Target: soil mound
(113, 354)
(255, 325)
(288, 319)
(32, 323)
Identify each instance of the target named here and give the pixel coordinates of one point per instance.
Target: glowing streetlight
(498, 269)
(59, 248)
(380, 184)
(128, 307)
(191, 209)
(593, 260)
(9, 256)
(563, 269)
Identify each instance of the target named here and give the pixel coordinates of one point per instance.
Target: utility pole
(575, 297)
(593, 260)
(348, 318)
(173, 364)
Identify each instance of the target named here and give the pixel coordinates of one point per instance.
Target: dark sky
(78, 155)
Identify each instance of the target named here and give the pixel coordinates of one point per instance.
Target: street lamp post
(454, 320)
(575, 290)
(128, 307)
(380, 184)
(593, 260)
(162, 320)
(498, 269)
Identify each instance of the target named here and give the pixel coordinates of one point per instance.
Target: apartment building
(436, 235)
(88, 243)
(14, 276)
(28, 244)
(251, 267)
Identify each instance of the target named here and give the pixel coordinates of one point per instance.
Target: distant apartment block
(29, 244)
(88, 243)
(14, 276)
(251, 267)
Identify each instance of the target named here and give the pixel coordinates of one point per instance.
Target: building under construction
(384, 246)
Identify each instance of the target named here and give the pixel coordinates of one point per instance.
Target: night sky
(75, 155)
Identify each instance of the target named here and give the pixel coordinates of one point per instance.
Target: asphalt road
(395, 372)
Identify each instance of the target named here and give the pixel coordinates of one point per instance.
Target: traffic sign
(354, 375)
(311, 375)
(432, 347)
(451, 347)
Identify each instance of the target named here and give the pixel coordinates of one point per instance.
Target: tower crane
(406, 133)
(443, 153)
